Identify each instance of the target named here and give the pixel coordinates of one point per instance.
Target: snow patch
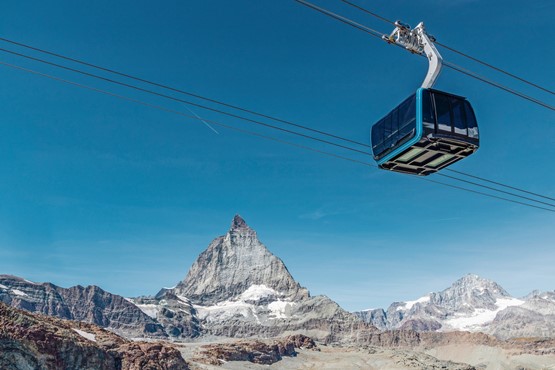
(481, 316)
(225, 310)
(4, 287)
(184, 299)
(86, 335)
(149, 309)
(242, 306)
(408, 304)
(19, 293)
(279, 308)
(257, 292)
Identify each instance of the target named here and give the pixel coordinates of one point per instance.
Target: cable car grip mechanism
(417, 41)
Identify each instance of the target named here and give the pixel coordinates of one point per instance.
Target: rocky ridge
(88, 304)
(38, 342)
(256, 351)
(472, 304)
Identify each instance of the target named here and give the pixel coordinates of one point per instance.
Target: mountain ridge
(471, 303)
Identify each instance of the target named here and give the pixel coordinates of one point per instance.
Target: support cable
(183, 101)
(498, 183)
(512, 75)
(266, 136)
(180, 91)
(453, 66)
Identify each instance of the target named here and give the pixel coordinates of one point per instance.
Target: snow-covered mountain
(472, 303)
(238, 288)
(235, 263)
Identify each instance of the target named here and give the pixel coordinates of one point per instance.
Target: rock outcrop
(534, 318)
(256, 351)
(89, 304)
(37, 342)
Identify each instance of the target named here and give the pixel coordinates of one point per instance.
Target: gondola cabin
(427, 132)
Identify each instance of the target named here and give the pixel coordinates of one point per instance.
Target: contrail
(203, 121)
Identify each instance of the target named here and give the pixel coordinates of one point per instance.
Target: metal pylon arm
(417, 41)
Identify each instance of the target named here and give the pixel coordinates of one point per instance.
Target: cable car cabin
(427, 132)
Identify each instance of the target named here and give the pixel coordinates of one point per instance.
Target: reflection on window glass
(395, 128)
(471, 121)
(427, 109)
(442, 111)
(459, 119)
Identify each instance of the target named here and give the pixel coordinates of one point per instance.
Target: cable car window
(459, 116)
(407, 116)
(394, 124)
(471, 121)
(443, 112)
(387, 131)
(428, 120)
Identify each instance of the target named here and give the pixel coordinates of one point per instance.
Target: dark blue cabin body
(428, 131)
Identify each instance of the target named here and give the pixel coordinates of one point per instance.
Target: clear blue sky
(95, 190)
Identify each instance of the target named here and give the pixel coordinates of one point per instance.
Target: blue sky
(96, 190)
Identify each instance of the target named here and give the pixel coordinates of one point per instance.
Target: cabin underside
(429, 155)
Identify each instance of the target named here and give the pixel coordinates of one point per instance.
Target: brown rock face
(31, 341)
(254, 351)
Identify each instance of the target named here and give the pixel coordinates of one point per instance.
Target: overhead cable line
(496, 84)
(173, 111)
(194, 117)
(489, 195)
(341, 18)
(453, 66)
(500, 184)
(497, 69)
(235, 116)
(512, 75)
(183, 101)
(225, 113)
(498, 190)
(369, 12)
(180, 91)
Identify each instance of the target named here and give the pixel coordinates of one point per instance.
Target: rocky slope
(534, 318)
(254, 351)
(37, 342)
(238, 288)
(232, 264)
(89, 304)
(474, 304)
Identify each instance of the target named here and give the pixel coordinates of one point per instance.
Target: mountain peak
(232, 264)
(471, 282)
(238, 223)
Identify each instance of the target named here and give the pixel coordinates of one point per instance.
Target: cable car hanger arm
(417, 41)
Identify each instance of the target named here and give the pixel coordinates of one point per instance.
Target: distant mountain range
(471, 304)
(238, 288)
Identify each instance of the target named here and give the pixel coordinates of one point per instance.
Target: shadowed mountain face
(232, 264)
